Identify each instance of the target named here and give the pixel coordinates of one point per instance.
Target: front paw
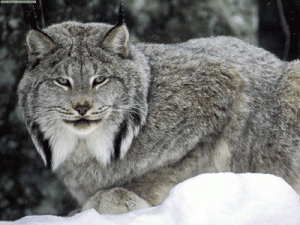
(114, 201)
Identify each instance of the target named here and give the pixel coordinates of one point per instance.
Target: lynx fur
(120, 124)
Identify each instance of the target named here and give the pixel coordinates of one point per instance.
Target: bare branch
(286, 30)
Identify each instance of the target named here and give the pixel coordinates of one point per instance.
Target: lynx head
(85, 83)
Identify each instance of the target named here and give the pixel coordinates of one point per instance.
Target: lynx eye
(63, 82)
(99, 80)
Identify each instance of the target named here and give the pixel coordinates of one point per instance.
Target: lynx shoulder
(121, 123)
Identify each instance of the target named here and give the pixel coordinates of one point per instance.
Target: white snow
(221, 198)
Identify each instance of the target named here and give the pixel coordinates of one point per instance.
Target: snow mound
(220, 198)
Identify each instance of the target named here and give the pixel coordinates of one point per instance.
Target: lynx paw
(114, 201)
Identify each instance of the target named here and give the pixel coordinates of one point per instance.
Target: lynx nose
(82, 108)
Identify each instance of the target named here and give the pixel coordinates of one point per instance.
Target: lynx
(120, 123)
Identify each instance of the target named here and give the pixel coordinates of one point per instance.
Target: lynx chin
(120, 124)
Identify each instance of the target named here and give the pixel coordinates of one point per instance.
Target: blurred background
(26, 186)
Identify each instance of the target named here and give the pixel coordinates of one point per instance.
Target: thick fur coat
(121, 123)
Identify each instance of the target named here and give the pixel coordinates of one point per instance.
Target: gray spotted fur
(167, 112)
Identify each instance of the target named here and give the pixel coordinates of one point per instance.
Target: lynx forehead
(121, 123)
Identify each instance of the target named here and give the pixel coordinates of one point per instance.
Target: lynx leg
(114, 201)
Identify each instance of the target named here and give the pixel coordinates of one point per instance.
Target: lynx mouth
(82, 123)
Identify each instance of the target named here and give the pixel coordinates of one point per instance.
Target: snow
(220, 198)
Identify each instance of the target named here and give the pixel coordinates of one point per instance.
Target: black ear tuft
(121, 17)
(31, 17)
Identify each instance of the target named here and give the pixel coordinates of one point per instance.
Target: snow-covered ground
(221, 198)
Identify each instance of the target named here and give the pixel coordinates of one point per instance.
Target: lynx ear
(39, 44)
(117, 41)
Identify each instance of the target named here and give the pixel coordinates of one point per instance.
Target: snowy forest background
(26, 186)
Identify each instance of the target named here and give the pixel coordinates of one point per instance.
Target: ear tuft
(121, 16)
(39, 45)
(117, 41)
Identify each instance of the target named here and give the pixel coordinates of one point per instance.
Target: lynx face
(84, 87)
(82, 102)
